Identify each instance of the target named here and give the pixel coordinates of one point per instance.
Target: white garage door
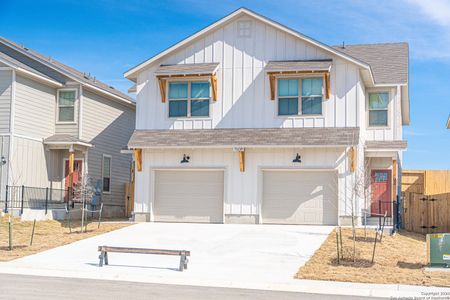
(189, 196)
(300, 197)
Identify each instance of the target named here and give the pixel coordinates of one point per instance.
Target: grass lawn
(399, 259)
(47, 235)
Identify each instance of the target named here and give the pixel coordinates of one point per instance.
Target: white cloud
(438, 10)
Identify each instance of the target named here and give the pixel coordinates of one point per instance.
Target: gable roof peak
(132, 73)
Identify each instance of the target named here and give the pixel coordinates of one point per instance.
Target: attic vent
(244, 29)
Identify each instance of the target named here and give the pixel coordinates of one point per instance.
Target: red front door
(77, 171)
(381, 193)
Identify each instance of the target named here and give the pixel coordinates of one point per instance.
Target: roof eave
(65, 73)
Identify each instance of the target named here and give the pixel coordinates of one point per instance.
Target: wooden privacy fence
(426, 201)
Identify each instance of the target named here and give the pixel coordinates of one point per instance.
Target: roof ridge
(373, 44)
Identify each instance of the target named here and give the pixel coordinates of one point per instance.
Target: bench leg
(106, 258)
(185, 263)
(182, 262)
(100, 257)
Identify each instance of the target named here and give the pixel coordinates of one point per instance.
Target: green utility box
(438, 248)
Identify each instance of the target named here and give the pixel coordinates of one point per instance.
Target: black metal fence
(21, 197)
(392, 211)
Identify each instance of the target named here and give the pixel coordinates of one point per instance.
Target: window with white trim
(106, 174)
(66, 105)
(378, 109)
(189, 99)
(308, 102)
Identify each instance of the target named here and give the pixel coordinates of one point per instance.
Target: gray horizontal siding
(108, 126)
(34, 109)
(5, 99)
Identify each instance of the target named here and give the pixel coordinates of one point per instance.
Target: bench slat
(142, 250)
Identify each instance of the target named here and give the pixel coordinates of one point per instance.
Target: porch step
(374, 221)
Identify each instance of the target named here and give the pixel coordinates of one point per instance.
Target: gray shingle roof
(52, 68)
(387, 144)
(389, 62)
(186, 69)
(247, 137)
(63, 138)
(299, 65)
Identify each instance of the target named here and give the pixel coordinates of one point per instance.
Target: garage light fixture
(297, 159)
(185, 159)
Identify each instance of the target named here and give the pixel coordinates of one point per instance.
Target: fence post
(379, 214)
(6, 200)
(21, 202)
(46, 200)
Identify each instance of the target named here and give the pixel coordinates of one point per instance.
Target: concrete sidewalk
(237, 256)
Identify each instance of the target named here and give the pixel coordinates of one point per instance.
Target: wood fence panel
(426, 200)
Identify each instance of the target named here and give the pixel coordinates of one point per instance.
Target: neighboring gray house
(51, 114)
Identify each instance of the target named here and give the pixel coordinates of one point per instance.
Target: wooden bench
(105, 249)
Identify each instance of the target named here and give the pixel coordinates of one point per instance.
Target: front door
(77, 172)
(381, 202)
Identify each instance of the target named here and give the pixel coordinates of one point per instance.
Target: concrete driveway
(250, 256)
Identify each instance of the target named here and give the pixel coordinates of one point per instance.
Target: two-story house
(58, 126)
(250, 121)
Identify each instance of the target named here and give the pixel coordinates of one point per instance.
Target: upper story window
(308, 102)
(378, 109)
(66, 105)
(189, 99)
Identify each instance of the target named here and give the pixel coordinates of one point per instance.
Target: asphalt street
(25, 287)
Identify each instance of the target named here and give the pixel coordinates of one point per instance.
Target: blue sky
(107, 37)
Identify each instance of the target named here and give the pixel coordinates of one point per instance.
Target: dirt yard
(48, 234)
(399, 259)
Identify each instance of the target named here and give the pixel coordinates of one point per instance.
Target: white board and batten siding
(108, 125)
(243, 87)
(243, 191)
(394, 129)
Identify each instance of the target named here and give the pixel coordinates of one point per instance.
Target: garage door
(300, 197)
(189, 196)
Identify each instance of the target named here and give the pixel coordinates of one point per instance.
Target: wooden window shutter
(162, 89)
(138, 159)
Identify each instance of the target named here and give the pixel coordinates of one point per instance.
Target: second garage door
(300, 197)
(189, 196)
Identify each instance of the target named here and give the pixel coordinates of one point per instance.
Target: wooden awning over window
(292, 67)
(187, 70)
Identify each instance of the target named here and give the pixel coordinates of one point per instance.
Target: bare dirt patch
(399, 259)
(47, 235)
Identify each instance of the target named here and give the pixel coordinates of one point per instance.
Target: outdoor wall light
(297, 159)
(3, 160)
(185, 159)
